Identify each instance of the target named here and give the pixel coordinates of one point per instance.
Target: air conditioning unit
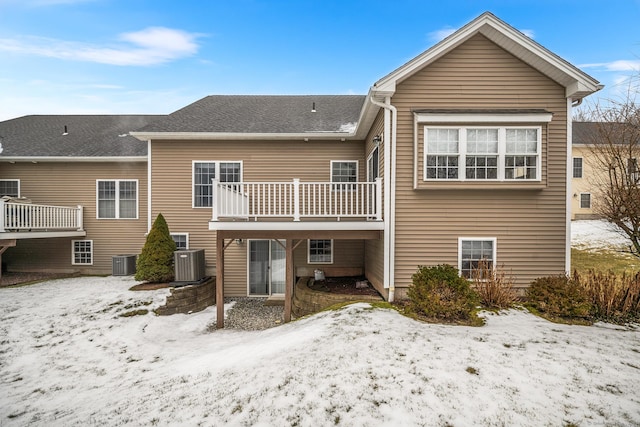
(189, 265)
(124, 265)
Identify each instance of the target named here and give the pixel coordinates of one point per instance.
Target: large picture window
(487, 153)
(203, 175)
(117, 199)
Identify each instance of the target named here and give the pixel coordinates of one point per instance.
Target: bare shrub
(493, 286)
(614, 297)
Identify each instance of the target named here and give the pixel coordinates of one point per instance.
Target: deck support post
(219, 281)
(290, 277)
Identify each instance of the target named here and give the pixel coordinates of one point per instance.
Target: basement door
(267, 268)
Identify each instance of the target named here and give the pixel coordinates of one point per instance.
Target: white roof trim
(484, 118)
(50, 159)
(296, 226)
(145, 136)
(578, 83)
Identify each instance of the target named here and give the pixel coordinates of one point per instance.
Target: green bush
(155, 263)
(440, 293)
(558, 296)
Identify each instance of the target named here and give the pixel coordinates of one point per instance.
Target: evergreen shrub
(155, 263)
(440, 293)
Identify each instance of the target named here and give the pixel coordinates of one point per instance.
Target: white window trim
(13, 180)
(73, 252)
(182, 234)
(317, 262)
(502, 154)
(370, 162)
(580, 201)
(494, 254)
(217, 163)
(117, 213)
(344, 161)
(573, 167)
(484, 118)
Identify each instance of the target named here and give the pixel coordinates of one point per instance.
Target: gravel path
(250, 314)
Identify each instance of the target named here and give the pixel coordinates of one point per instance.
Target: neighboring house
(585, 179)
(459, 155)
(590, 177)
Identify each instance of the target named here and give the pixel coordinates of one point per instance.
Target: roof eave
(236, 136)
(54, 159)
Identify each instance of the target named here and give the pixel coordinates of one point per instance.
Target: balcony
(26, 220)
(297, 205)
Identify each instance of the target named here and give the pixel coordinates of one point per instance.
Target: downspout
(389, 193)
(148, 185)
(567, 248)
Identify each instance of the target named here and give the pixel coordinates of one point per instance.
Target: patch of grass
(603, 260)
(134, 313)
(472, 370)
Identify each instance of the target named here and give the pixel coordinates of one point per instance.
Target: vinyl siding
(262, 161)
(72, 184)
(529, 224)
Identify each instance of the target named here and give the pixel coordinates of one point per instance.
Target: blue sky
(156, 56)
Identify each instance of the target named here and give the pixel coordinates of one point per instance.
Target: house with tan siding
(459, 155)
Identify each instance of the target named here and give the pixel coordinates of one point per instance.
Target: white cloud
(619, 65)
(436, 36)
(529, 33)
(150, 46)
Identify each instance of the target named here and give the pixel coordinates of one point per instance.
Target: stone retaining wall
(307, 301)
(190, 298)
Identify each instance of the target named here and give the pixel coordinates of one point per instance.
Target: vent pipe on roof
(65, 130)
(313, 108)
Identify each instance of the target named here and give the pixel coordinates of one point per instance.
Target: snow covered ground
(597, 235)
(67, 358)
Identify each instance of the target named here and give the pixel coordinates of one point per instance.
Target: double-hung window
(10, 187)
(577, 167)
(181, 240)
(473, 251)
(487, 153)
(585, 200)
(117, 199)
(203, 175)
(320, 251)
(521, 158)
(82, 252)
(344, 171)
(442, 153)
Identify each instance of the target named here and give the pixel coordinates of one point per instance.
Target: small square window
(344, 171)
(182, 241)
(9, 187)
(472, 252)
(320, 251)
(82, 252)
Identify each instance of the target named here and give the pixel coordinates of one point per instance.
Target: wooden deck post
(219, 281)
(290, 277)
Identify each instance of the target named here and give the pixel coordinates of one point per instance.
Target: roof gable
(577, 83)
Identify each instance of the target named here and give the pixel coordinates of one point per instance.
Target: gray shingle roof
(87, 136)
(264, 114)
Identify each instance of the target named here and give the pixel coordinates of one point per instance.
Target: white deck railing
(296, 200)
(26, 216)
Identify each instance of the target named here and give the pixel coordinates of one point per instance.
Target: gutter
(389, 192)
(53, 159)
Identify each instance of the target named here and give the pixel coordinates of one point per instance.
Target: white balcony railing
(296, 200)
(31, 217)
